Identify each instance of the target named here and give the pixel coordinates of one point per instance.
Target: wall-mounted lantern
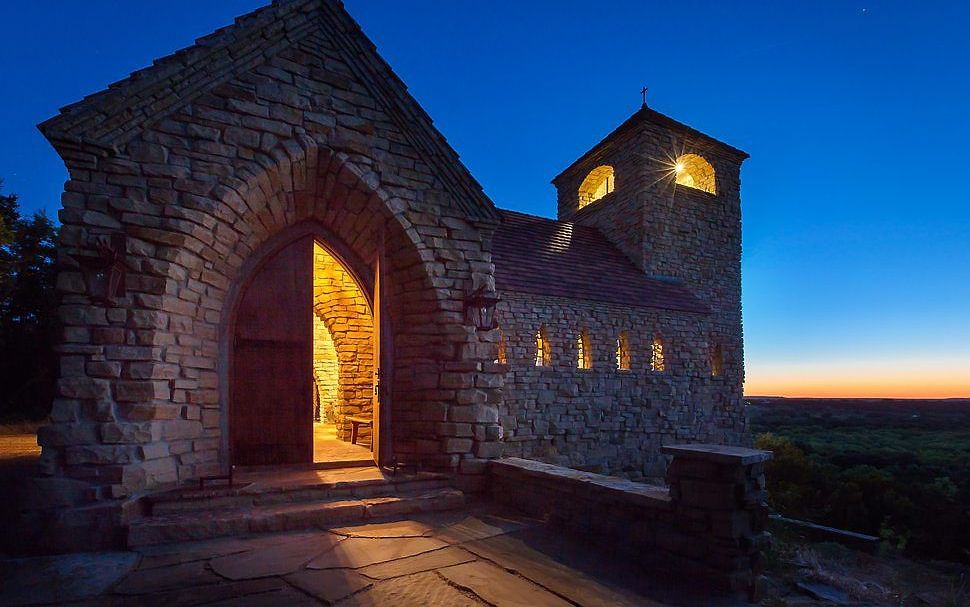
(480, 309)
(104, 274)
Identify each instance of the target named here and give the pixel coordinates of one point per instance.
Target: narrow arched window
(502, 359)
(693, 171)
(543, 353)
(657, 362)
(717, 361)
(597, 184)
(584, 359)
(623, 352)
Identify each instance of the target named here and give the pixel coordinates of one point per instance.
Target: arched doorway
(304, 345)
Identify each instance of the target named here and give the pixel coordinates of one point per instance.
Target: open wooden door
(382, 367)
(271, 377)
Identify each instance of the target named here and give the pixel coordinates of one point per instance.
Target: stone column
(719, 497)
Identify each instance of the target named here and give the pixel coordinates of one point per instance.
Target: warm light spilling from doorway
(343, 350)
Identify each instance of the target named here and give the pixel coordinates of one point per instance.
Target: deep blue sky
(856, 115)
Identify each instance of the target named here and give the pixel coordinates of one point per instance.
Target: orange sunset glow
(860, 379)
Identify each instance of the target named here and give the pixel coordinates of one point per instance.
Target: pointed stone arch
(185, 259)
(187, 169)
(297, 190)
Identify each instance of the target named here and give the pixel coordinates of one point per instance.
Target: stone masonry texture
(288, 124)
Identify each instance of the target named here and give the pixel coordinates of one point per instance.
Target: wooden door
(382, 368)
(271, 375)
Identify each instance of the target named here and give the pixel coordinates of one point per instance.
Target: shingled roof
(107, 120)
(563, 259)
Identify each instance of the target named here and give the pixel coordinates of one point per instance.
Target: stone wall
(607, 419)
(708, 528)
(668, 230)
(325, 371)
(345, 311)
(283, 125)
(674, 233)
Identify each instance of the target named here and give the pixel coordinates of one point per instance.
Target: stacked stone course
(287, 123)
(605, 419)
(616, 421)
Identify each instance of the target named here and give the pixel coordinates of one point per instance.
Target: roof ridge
(107, 120)
(85, 120)
(434, 142)
(514, 212)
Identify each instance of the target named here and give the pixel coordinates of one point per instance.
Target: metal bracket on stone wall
(104, 274)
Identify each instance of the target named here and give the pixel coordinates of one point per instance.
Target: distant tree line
(903, 477)
(28, 312)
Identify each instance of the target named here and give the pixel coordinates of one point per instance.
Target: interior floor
(327, 448)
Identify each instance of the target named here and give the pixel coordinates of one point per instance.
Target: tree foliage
(28, 311)
(900, 472)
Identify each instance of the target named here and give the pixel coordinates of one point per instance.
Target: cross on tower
(643, 92)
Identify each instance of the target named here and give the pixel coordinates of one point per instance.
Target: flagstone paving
(428, 561)
(475, 557)
(62, 578)
(329, 585)
(281, 559)
(357, 552)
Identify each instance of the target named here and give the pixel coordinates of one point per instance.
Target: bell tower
(668, 196)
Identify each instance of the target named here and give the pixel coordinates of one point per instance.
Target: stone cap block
(578, 482)
(719, 454)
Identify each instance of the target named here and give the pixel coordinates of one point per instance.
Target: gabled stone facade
(188, 175)
(285, 123)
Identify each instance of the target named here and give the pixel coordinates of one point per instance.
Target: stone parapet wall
(605, 419)
(709, 526)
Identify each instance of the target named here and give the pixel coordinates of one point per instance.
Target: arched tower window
(717, 361)
(693, 171)
(623, 352)
(584, 359)
(657, 362)
(543, 351)
(597, 184)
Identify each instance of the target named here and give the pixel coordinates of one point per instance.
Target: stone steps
(220, 512)
(209, 500)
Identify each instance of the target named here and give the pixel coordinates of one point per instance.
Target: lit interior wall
(325, 371)
(343, 310)
(693, 171)
(597, 184)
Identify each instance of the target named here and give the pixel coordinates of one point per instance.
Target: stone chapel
(271, 257)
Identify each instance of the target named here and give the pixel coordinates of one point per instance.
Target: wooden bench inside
(356, 422)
